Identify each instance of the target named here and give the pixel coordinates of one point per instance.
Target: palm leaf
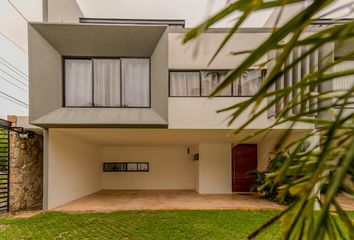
(330, 161)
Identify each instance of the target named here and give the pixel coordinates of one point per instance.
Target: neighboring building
(125, 106)
(13, 54)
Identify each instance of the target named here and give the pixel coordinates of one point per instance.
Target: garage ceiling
(158, 137)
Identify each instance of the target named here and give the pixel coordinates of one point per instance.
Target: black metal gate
(4, 166)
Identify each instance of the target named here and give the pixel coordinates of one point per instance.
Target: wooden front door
(244, 160)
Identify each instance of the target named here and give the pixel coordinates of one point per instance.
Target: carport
(101, 167)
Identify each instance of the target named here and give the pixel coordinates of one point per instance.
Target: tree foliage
(330, 162)
(274, 191)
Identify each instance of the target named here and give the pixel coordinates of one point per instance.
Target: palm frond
(302, 170)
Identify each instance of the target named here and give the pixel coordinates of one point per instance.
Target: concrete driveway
(113, 200)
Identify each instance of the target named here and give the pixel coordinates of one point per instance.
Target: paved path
(165, 200)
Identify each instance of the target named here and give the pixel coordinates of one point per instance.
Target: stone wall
(26, 171)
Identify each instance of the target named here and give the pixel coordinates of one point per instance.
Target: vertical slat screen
(346, 82)
(305, 69)
(296, 72)
(313, 88)
(292, 77)
(288, 81)
(279, 85)
(271, 111)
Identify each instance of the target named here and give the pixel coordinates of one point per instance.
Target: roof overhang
(102, 40)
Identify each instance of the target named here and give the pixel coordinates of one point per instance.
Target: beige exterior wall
(265, 148)
(215, 168)
(200, 113)
(49, 42)
(67, 11)
(265, 152)
(197, 53)
(159, 76)
(74, 169)
(45, 73)
(196, 175)
(170, 168)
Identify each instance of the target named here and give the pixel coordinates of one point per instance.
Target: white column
(215, 168)
(315, 143)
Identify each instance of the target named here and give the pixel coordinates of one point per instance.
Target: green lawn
(139, 225)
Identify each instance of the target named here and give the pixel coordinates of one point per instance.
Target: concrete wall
(74, 168)
(48, 42)
(196, 168)
(201, 113)
(265, 148)
(170, 168)
(61, 11)
(286, 13)
(159, 77)
(196, 175)
(265, 152)
(45, 74)
(215, 168)
(197, 53)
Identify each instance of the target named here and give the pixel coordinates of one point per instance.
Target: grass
(208, 224)
(138, 225)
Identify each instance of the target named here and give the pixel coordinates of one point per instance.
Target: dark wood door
(244, 160)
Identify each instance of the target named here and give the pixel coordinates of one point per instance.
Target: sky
(192, 11)
(14, 15)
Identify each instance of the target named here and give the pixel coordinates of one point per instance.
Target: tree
(329, 163)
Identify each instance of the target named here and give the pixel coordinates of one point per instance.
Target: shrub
(270, 189)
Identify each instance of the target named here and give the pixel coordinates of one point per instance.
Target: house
(124, 105)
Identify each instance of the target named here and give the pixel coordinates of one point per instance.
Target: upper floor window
(203, 83)
(211, 79)
(103, 82)
(249, 83)
(184, 84)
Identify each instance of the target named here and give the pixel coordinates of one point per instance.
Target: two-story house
(124, 105)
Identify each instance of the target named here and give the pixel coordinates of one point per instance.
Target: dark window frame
(263, 73)
(126, 166)
(120, 80)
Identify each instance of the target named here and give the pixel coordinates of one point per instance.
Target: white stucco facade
(214, 168)
(74, 169)
(184, 139)
(76, 155)
(170, 168)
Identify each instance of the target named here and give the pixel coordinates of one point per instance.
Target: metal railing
(4, 168)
